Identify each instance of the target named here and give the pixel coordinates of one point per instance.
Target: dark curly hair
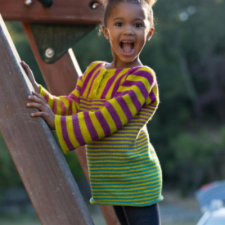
(108, 5)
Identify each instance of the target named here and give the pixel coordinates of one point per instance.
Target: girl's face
(128, 29)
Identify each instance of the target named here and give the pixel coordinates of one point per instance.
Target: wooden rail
(33, 148)
(61, 11)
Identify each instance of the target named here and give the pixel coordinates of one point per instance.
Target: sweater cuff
(42, 91)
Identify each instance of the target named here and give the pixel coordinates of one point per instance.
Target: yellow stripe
(90, 81)
(109, 93)
(119, 163)
(109, 120)
(102, 182)
(142, 79)
(129, 190)
(125, 175)
(83, 127)
(58, 129)
(58, 107)
(120, 112)
(129, 200)
(50, 101)
(97, 125)
(70, 131)
(123, 171)
(133, 167)
(129, 102)
(127, 151)
(66, 103)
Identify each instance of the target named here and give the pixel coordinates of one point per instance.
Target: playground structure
(52, 28)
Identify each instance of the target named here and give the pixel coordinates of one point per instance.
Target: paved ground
(173, 209)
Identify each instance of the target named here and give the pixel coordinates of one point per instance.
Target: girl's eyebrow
(121, 18)
(118, 18)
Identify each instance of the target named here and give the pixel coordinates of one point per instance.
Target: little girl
(108, 112)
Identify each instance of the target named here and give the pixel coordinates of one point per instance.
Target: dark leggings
(129, 215)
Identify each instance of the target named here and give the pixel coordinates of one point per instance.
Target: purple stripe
(114, 115)
(63, 108)
(118, 94)
(146, 114)
(110, 82)
(88, 77)
(77, 131)
(90, 126)
(90, 104)
(150, 107)
(88, 109)
(125, 108)
(65, 133)
(134, 69)
(117, 84)
(78, 88)
(152, 96)
(92, 100)
(135, 100)
(145, 74)
(54, 107)
(139, 84)
(104, 124)
(92, 82)
(73, 97)
(46, 97)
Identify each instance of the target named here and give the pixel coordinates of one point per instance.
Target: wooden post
(61, 78)
(38, 159)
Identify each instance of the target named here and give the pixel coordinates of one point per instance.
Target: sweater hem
(93, 202)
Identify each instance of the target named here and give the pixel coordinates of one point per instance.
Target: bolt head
(28, 2)
(94, 5)
(49, 53)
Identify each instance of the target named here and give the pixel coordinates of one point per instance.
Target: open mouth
(127, 47)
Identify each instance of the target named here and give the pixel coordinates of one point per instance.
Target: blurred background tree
(187, 52)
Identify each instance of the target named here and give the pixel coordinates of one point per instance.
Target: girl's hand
(31, 76)
(45, 111)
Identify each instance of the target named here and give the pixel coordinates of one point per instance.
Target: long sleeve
(138, 89)
(64, 105)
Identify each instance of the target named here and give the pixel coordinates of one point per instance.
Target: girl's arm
(62, 105)
(138, 89)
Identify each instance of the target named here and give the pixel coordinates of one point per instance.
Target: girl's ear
(105, 32)
(150, 33)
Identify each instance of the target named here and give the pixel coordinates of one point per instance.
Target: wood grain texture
(61, 11)
(61, 78)
(38, 159)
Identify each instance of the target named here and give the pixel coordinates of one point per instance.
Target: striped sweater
(108, 112)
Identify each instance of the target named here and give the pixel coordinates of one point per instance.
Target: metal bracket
(54, 40)
(46, 3)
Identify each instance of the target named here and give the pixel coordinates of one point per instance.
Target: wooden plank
(34, 150)
(61, 11)
(61, 78)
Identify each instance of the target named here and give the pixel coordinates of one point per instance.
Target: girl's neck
(117, 65)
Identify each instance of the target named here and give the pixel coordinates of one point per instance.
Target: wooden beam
(61, 11)
(61, 78)
(34, 150)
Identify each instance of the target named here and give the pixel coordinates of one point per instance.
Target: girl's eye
(119, 24)
(138, 25)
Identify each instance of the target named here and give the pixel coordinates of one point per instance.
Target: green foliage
(8, 173)
(197, 158)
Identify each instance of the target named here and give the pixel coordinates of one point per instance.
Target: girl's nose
(128, 31)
